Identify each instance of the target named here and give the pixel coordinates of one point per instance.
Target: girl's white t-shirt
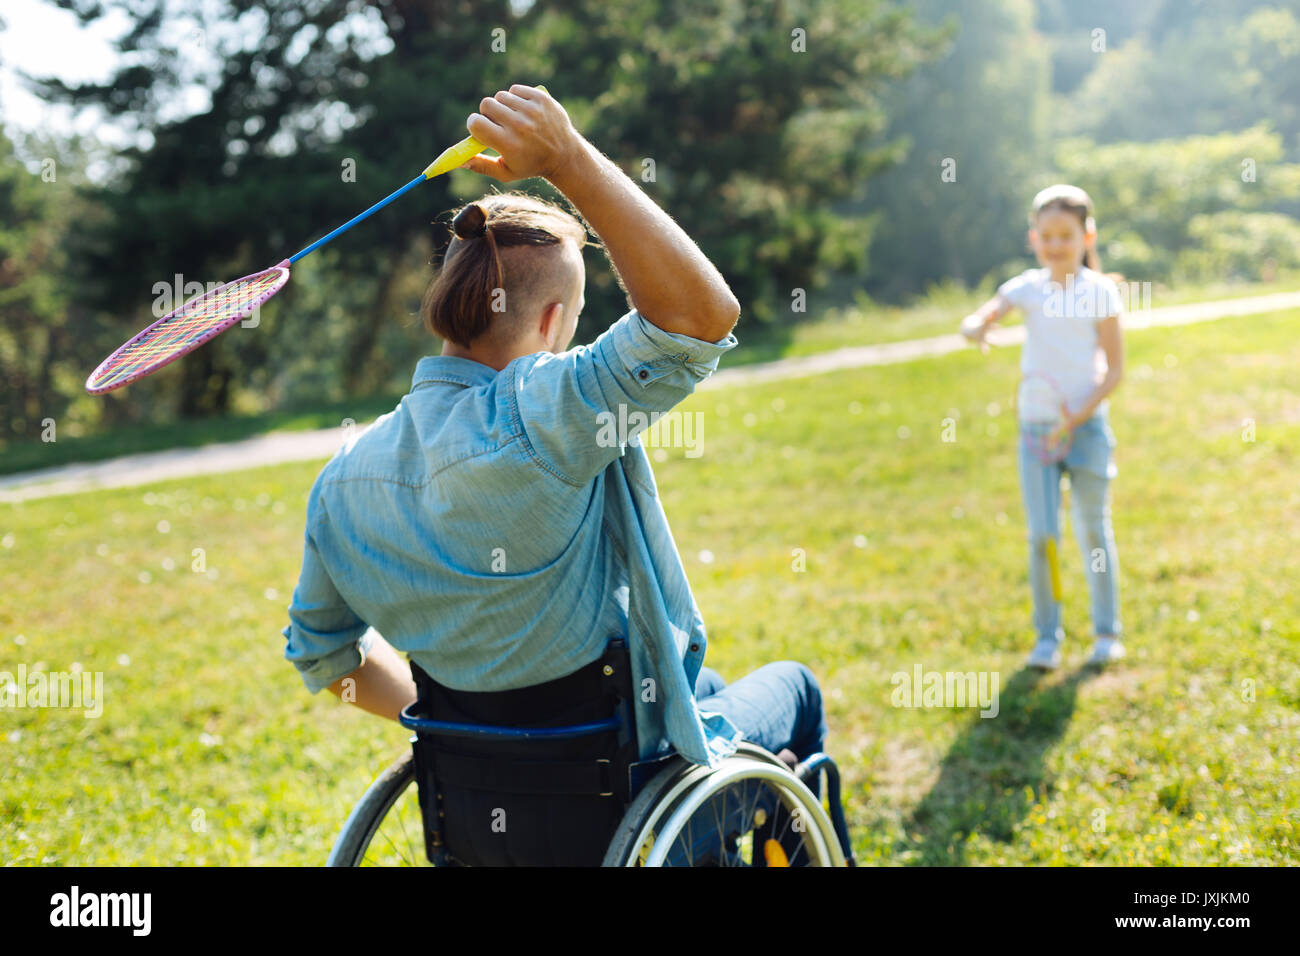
(1061, 328)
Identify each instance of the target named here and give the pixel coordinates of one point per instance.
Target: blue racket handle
(356, 219)
(451, 158)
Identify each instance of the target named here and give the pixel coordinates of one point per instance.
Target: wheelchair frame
(656, 809)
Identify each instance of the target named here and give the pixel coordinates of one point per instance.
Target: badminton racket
(1044, 418)
(208, 314)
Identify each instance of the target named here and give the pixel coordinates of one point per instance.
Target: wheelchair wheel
(749, 811)
(384, 828)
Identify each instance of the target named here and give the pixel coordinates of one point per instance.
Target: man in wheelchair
(489, 528)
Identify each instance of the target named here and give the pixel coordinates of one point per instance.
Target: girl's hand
(975, 330)
(1066, 428)
(530, 130)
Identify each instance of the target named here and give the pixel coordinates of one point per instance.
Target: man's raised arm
(667, 277)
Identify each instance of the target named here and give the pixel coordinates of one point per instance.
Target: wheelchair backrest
(537, 776)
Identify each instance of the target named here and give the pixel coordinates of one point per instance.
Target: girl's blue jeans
(1091, 467)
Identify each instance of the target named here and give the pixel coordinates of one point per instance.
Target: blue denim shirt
(491, 529)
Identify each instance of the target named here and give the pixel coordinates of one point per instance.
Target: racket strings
(1041, 410)
(1038, 438)
(197, 319)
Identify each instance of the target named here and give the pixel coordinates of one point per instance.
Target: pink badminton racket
(208, 314)
(1044, 416)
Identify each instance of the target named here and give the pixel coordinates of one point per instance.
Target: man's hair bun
(470, 222)
(461, 303)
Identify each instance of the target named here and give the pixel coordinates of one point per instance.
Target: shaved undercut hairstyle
(504, 264)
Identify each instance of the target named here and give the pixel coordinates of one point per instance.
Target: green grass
(864, 324)
(209, 750)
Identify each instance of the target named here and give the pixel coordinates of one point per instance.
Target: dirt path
(912, 349)
(277, 447)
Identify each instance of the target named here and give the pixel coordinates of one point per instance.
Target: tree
(747, 122)
(974, 123)
(247, 181)
(1198, 208)
(1225, 67)
(752, 116)
(34, 217)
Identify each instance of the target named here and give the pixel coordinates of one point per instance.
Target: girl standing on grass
(1072, 327)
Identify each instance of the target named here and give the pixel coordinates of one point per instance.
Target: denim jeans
(1091, 467)
(777, 706)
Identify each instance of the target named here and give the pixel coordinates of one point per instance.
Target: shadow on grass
(993, 773)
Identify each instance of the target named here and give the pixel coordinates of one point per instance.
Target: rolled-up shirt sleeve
(325, 638)
(576, 408)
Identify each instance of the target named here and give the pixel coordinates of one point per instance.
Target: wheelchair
(559, 784)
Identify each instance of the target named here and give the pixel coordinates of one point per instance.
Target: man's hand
(530, 130)
(668, 279)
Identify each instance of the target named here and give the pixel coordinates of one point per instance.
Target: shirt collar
(452, 368)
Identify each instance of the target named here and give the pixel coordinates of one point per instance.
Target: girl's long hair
(461, 301)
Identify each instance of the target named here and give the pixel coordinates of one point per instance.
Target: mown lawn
(209, 750)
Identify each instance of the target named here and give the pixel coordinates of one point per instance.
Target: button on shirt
(501, 527)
